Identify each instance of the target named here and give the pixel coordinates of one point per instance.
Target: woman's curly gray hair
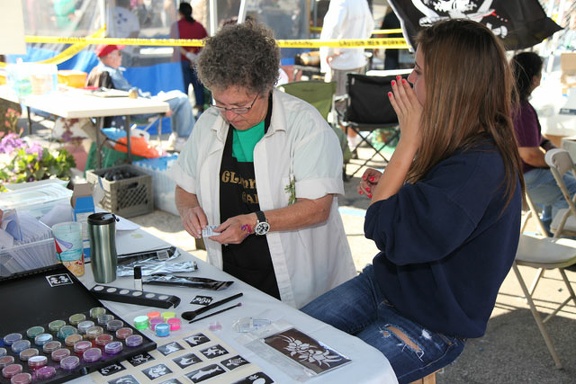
(242, 55)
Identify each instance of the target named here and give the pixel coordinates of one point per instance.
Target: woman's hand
(235, 229)
(368, 182)
(193, 220)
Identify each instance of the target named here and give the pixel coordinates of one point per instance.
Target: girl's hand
(368, 182)
(407, 108)
(234, 230)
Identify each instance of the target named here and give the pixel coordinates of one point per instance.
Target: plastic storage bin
(163, 184)
(127, 197)
(36, 200)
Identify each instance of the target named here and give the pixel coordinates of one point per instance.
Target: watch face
(262, 228)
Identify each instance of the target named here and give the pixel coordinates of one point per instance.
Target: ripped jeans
(358, 308)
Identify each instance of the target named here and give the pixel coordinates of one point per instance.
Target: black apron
(249, 261)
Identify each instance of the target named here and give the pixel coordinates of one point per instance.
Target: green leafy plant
(22, 162)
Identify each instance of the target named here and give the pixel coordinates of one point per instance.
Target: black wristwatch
(262, 227)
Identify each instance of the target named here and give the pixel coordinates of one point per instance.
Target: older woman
(264, 167)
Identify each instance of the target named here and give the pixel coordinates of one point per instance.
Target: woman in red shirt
(188, 28)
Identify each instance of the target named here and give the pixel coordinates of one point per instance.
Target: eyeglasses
(237, 110)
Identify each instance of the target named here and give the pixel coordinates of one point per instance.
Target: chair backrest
(560, 163)
(99, 78)
(367, 101)
(318, 93)
(530, 211)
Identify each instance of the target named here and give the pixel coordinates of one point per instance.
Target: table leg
(128, 148)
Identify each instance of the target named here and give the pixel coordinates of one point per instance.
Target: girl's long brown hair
(468, 96)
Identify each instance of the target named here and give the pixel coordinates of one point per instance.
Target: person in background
(345, 19)
(181, 118)
(445, 214)
(188, 28)
(540, 184)
(247, 170)
(121, 22)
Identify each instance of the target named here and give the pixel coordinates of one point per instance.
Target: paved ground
(512, 351)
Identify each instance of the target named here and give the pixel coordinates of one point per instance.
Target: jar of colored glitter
(27, 354)
(97, 311)
(6, 360)
(54, 326)
(51, 346)
(93, 332)
(71, 340)
(46, 372)
(11, 370)
(113, 348)
(21, 378)
(76, 319)
(37, 362)
(11, 338)
(32, 332)
(60, 354)
(42, 339)
(69, 363)
(81, 346)
(103, 339)
(134, 341)
(141, 322)
(114, 325)
(20, 345)
(66, 331)
(84, 325)
(92, 355)
(123, 333)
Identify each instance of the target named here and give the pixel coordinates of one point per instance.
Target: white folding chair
(545, 253)
(560, 163)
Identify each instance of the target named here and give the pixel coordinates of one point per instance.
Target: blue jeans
(182, 120)
(190, 77)
(357, 307)
(544, 191)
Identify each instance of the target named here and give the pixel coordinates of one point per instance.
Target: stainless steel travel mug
(103, 256)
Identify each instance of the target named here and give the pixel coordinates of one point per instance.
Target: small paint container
(46, 372)
(54, 326)
(113, 348)
(97, 311)
(93, 332)
(69, 363)
(154, 322)
(32, 332)
(3, 352)
(92, 355)
(11, 370)
(123, 333)
(11, 338)
(153, 315)
(6, 360)
(174, 323)
(103, 339)
(81, 347)
(37, 362)
(168, 315)
(76, 319)
(134, 341)
(84, 325)
(27, 354)
(162, 330)
(104, 319)
(66, 331)
(21, 378)
(141, 322)
(59, 354)
(51, 346)
(42, 339)
(71, 340)
(114, 325)
(20, 345)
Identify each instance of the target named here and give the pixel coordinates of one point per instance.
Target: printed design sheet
(199, 357)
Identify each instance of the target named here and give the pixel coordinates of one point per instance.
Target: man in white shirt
(345, 19)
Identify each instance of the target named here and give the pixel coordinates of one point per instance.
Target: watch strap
(261, 217)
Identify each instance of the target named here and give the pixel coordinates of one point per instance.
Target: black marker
(138, 278)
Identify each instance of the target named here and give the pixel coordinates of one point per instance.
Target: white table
(368, 364)
(73, 103)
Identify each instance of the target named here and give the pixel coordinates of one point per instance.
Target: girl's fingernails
(369, 195)
(390, 95)
(368, 189)
(403, 81)
(371, 179)
(360, 192)
(393, 82)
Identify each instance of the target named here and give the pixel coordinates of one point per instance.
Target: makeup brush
(215, 313)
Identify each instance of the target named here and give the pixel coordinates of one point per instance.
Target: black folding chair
(368, 109)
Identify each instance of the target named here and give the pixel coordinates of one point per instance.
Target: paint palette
(133, 296)
(55, 330)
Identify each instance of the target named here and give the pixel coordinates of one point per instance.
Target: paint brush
(215, 313)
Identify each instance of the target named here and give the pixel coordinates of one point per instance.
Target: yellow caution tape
(398, 42)
(78, 44)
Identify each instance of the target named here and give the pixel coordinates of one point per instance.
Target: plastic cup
(68, 238)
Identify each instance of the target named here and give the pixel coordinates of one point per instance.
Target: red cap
(103, 50)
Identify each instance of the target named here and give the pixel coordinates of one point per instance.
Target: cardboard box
(568, 69)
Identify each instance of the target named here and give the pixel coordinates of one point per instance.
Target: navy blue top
(446, 243)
